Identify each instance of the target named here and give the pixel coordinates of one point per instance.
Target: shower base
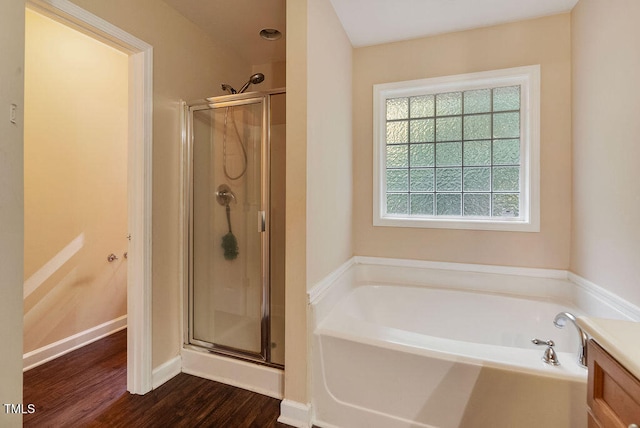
(242, 374)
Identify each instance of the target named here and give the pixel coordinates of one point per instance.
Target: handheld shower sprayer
(253, 80)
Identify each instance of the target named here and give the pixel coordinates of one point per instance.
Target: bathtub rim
(561, 285)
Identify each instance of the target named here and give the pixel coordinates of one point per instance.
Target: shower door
(228, 226)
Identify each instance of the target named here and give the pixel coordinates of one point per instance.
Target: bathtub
(442, 353)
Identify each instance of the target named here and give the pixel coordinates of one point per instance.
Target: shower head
(253, 80)
(229, 88)
(257, 78)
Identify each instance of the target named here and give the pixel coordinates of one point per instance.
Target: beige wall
(75, 168)
(295, 376)
(544, 41)
(605, 245)
(329, 143)
(318, 233)
(275, 76)
(11, 206)
(187, 65)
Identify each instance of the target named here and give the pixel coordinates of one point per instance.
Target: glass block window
(458, 152)
(454, 153)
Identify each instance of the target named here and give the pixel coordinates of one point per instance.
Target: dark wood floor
(87, 388)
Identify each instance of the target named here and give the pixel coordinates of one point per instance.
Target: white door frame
(139, 370)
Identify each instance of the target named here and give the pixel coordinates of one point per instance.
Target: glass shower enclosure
(234, 224)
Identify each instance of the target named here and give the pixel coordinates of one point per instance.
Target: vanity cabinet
(613, 394)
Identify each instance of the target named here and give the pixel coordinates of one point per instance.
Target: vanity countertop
(619, 338)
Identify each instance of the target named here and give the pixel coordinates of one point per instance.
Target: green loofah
(230, 246)
(229, 241)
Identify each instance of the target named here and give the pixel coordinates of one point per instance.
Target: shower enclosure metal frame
(264, 356)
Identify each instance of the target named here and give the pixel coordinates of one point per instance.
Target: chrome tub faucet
(560, 321)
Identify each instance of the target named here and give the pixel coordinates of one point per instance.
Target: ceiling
(371, 22)
(367, 22)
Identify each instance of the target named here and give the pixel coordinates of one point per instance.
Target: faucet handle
(543, 342)
(549, 356)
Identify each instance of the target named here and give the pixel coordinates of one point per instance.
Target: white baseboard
(57, 349)
(295, 414)
(167, 371)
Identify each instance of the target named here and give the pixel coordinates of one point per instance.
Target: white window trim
(529, 79)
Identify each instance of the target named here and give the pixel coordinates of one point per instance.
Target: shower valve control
(224, 195)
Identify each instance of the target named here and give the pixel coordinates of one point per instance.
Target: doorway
(137, 236)
(75, 163)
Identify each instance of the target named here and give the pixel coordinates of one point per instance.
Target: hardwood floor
(87, 388)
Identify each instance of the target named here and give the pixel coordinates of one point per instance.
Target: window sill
(515, 225)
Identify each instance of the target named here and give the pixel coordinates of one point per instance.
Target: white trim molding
(61, 347)
(295, 414)
(323, 285)
(167, 371)
(139, 369)
(139, 186)
(464, 267)
(591, 297)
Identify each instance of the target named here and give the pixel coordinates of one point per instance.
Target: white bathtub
(439, 355)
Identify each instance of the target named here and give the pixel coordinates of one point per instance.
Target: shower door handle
(262, 222)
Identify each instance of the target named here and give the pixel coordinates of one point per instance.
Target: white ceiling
(371, 22)
(367, 22)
